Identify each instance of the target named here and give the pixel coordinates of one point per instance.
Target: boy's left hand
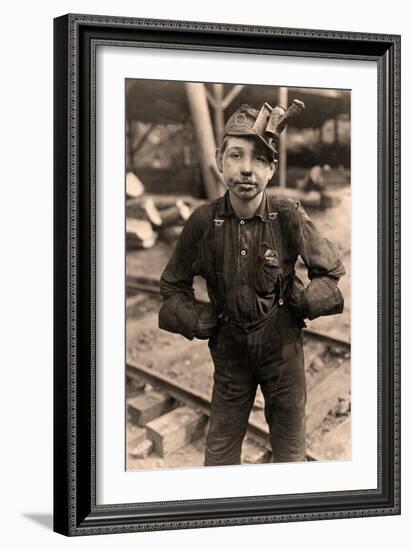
(207, 321)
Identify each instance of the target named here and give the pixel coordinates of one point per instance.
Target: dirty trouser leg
(282, 379)
(232, 400)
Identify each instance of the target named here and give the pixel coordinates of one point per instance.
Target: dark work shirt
(245, 303)
(254, 265)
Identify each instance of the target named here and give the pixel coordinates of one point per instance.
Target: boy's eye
(261, 159)
(234, 155)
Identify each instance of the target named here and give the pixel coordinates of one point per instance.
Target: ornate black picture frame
(75, 41)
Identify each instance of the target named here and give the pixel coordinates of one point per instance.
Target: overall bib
(267, 352)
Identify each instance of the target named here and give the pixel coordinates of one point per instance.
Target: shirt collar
(263, 210)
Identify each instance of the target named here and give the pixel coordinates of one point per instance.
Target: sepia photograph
(238, 274)
(226, 275)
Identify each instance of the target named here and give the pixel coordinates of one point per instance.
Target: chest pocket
(268, 274)
(267, 269)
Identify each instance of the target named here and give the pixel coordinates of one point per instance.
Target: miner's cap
(241, 123)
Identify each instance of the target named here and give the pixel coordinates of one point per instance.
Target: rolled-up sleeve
(179, 314)
(324, 265)
(319, 254)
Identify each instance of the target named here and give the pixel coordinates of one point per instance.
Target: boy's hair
(273, 157)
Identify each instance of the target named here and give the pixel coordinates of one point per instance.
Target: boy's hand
(295, 298)
(207, 321)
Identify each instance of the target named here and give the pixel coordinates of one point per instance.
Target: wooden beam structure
(283, 101)
(197, 100)
(232, 94)
(218, 90)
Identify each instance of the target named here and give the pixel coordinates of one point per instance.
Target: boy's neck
(245, 209)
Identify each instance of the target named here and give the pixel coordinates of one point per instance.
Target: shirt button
(242, 222)
(243, 252)
(280, 302)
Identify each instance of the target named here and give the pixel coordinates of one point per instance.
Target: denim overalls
(258, 343)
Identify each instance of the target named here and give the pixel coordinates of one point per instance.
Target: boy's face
(246, 166)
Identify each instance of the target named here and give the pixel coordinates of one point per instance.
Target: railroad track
(169, 391)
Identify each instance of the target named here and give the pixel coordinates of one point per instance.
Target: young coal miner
(245, 245)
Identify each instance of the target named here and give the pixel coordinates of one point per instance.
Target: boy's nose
(246, 168)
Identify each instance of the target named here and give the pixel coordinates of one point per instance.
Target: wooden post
(232, 94)
(129, 137)
(283, 101)
(218, 113)
(200, 113)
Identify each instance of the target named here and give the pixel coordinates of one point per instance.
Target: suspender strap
(219, 261)
(275, 230)
(219, 244)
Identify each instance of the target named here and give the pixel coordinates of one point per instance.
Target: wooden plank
(311, 198)
(165, 200)
(179, 392)
(232, 94)
(323, 397)
(139, 234)
(335, 444)
(176, 429)
(137, 436)
(148, 405)
(142, 450)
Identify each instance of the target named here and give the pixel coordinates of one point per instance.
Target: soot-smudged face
(246, 166)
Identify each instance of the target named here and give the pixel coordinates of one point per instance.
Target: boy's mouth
(246, 183)
(246, 187)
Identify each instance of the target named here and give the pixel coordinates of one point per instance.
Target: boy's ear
(274, 166)
(219, 160)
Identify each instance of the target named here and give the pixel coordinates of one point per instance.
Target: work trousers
(272, 357)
